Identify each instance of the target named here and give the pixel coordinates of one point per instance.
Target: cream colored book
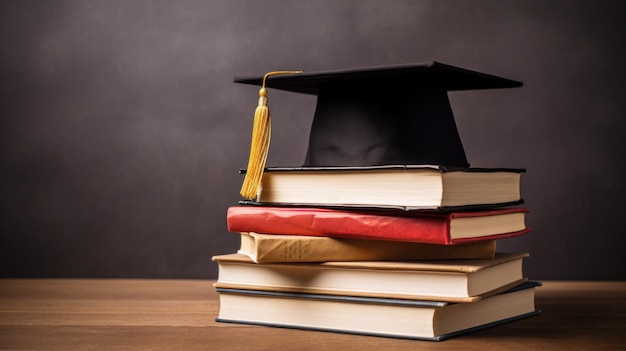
(413, 319)
(407, 187)
(453, 280)
(264, 248)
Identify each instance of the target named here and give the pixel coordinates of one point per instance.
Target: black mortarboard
(392, 115)
(384, 115)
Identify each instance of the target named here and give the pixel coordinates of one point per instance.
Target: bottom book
(396, 318)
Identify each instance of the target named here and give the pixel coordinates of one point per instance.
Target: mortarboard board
(391, 115)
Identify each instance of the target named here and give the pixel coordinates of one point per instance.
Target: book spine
(289, 248)
(339, 224)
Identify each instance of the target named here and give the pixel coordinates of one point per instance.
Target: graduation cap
(391, 115)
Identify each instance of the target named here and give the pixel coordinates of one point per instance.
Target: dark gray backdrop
(121, 131)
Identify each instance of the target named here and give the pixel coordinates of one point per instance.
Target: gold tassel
(259, 147)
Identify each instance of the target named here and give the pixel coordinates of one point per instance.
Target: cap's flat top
(425, 75)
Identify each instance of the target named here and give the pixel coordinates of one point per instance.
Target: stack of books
(368, 237)
(341, 250)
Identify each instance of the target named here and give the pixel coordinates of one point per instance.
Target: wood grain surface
(103, 314)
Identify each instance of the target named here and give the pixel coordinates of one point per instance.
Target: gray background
(121, 131)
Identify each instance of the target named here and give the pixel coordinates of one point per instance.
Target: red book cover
(425, 227)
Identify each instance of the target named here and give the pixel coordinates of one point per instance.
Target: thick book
(405, 187)
(448, 280)
(432, 227)
(264, 248)
(396, 318)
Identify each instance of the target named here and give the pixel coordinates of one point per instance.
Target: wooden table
(100, 314)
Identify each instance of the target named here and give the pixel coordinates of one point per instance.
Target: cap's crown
(384, 115)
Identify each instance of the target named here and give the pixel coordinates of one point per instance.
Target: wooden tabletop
(101, 314)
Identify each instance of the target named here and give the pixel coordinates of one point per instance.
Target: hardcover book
(396, 318)
(431, 227)
(453, 280)
(264, 248)
(405, 187)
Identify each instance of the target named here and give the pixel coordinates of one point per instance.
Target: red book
(412, 226)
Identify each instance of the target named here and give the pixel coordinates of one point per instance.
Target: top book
(401, 187)
(385, 115)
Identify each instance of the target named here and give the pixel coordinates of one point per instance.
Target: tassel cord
(259, 146)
